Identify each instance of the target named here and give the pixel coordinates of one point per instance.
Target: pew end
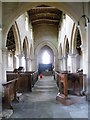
(10, 93)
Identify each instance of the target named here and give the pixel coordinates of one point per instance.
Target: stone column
(33, 64)
(27, 64)
(74, 63)
(4, 63)
(14, 61)
(20, 60)
(85, 67)
(60, 64)
(88, 44)
(65, 63)
(0, 61)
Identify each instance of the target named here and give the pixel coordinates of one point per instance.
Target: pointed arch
(76, 34)
(43, 44)
(72, 36)
(25, 47)
(17, 40)
(65, 46)
(31, 51)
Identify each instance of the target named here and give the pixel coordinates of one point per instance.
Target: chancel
(44, 59)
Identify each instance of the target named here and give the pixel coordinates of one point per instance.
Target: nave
(42, 103)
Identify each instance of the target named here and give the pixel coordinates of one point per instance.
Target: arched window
(46, 58)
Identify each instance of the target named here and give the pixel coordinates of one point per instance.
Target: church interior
(44, 59)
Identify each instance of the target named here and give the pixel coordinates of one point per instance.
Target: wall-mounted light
(85, 18)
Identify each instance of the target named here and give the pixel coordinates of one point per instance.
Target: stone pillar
(88, 76)
(85, 67)
(0, 61)
(4, 63)
(33, 64)
(27, 64)
(20, 60)
(65, 63)
(14, 61)
(60, 64)
(1, 76)
(74, 61)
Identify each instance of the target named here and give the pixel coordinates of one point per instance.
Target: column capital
(20, 55)
(83, 47)
(73, 55)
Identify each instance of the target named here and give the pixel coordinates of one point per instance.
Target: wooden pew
(26, 80)
(56, 77)
(63, 80)
(75, 78)
(34, 77)
(78, 80)
(67, 79)
(10, 92)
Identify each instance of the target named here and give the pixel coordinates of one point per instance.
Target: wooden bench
(26, 80)
(74, 78)
(63, 80)
(70, 81)
(34, 77)
(56, 77)
(10, 92)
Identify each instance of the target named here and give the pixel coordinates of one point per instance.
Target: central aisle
(41, 102)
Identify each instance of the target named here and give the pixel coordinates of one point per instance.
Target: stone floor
(41, 103)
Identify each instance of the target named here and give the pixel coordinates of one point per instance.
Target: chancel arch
(45, 59)
(54, 49)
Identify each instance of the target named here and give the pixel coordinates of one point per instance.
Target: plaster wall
(45, 32)
(66, 30)
(22, 29)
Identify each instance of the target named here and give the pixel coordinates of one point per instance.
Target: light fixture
(85, 17)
